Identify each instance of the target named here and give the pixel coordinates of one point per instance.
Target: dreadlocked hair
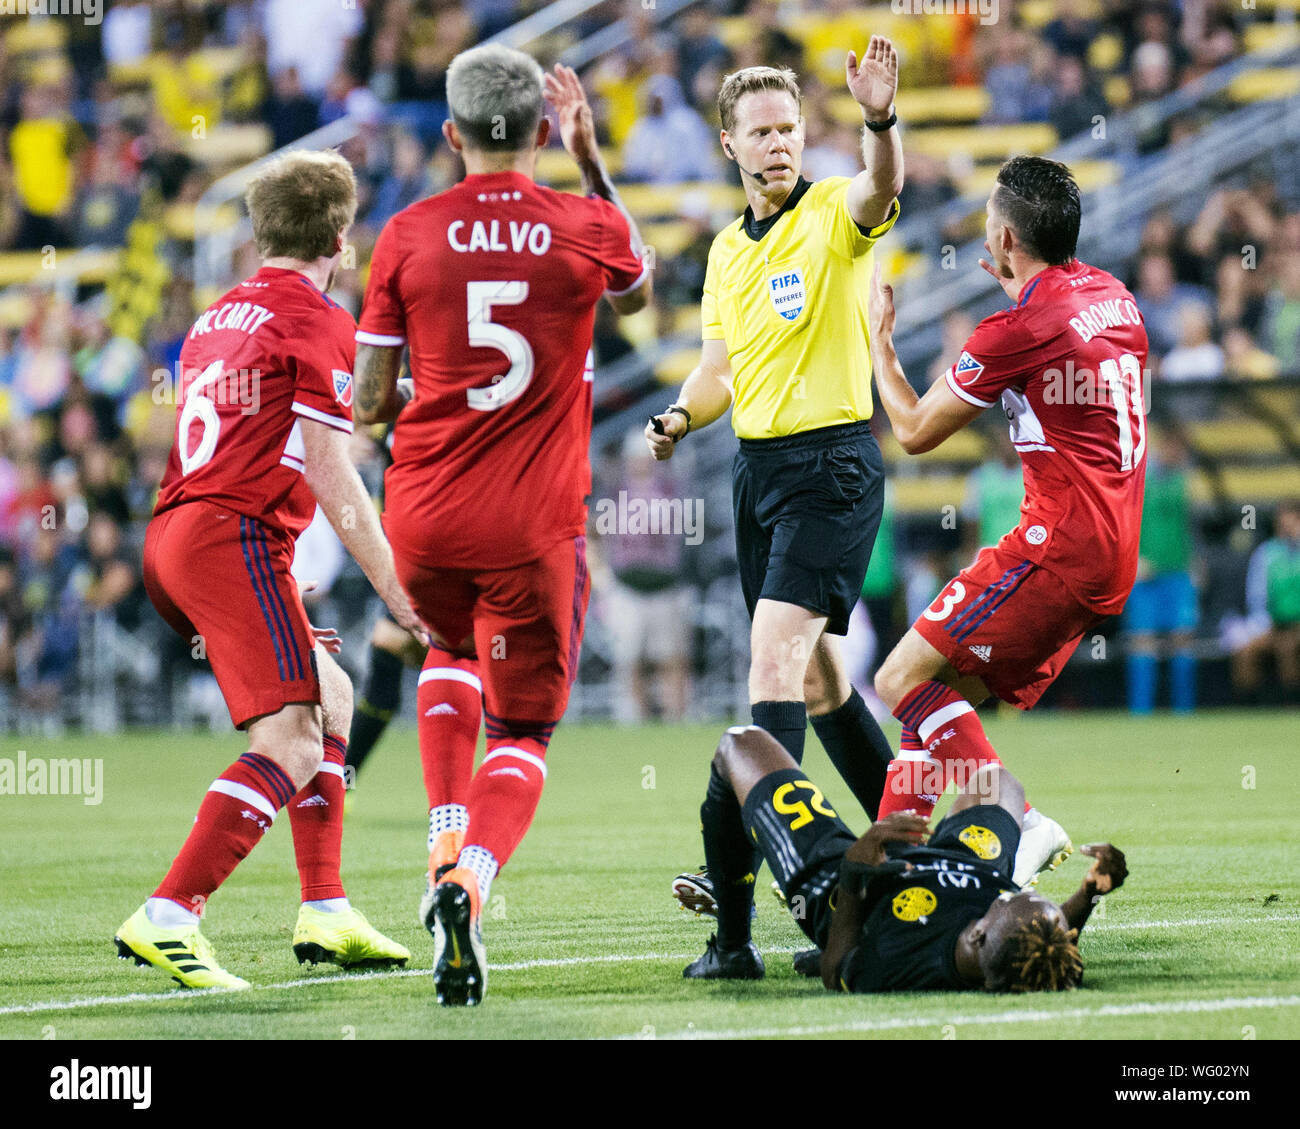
(1040, 956)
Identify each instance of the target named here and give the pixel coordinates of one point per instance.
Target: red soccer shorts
(214, 573)
(1009, 622)
(526, 623)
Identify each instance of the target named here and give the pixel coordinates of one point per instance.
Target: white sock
(484, 865)
(330, 905)
(168, 914)
(447, 817)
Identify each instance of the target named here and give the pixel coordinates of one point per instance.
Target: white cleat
(1044, 845)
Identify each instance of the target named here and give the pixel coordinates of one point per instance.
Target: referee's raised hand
(663, 439)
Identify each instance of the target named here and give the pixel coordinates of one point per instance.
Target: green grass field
(582, 934)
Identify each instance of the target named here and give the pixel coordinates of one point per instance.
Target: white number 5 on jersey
(480, 297)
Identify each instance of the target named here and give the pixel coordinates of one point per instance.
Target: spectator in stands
(1161, 614)
(128, 32)
(311, 39)
(290, 112)
(1016, 79)
(408, 181)
(699, 51)
(1273, 608)
(42, 148)
(670, 143)
(648, 605)
(47, 567)
(679, 278)
(1069, 33)
(1077, 102)
(113, 577)
(928, 185)
(1281, 322)
(1160, 298)
(1196, 356)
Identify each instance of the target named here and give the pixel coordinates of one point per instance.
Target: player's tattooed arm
(374, 383)
(919, 423)
(1106, 874)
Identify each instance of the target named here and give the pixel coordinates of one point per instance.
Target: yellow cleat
(180, 951)
(344, 938)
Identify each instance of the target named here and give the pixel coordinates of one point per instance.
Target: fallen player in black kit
(889, 913)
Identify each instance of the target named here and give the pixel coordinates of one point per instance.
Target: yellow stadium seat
(1235, 437)
(230, 145)
(1252, 485)
(985, 143)
(676, 367)
(1265, 85)
(1088, 174)
(652, 201)
(1105, 53)
(18, 267)
(32, 35)
(966, 447)
(927, 493)
(1271, 36)
(1036, 13)
(1116, 89)
(927, 104)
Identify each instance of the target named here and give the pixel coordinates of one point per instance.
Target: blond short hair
(736, 85)
(300, 202)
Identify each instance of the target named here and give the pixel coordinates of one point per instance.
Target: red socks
(504, 794)
(316, 817)
(943, 741)
(450, 705)
(240, 806)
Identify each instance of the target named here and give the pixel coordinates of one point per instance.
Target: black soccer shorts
(807, 508)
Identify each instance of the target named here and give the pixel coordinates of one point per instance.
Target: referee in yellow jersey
(785, 346)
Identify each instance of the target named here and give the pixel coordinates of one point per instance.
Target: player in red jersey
(492, 285)
(263, 423)
(1067, 361)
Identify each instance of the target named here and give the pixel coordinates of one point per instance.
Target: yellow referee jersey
(792, 307)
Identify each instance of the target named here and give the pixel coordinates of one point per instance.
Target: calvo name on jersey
(535, 237)
(786, 290)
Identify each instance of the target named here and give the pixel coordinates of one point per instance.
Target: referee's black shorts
(807, 508)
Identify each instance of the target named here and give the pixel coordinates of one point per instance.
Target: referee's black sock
(786, 721)
(858, 749)
(729, 856)
(379, 700)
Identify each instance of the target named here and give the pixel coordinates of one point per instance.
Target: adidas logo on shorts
(983, 652)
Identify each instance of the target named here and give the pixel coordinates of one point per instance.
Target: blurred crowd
(110, 133)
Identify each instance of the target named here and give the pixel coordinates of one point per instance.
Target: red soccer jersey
(272, 351)
(1068, 362)
(493, 285)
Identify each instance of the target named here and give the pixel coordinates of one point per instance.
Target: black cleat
(808, 962)
(459, 959)
(694, 891)
(726, 964)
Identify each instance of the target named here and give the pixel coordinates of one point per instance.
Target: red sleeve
(383, 321)
(624, 270)
(321, 364)
(1002, 353)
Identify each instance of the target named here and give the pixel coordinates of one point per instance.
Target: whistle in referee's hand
(657, 424)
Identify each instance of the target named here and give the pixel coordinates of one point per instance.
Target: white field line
(1172, 1007)
(548, 962)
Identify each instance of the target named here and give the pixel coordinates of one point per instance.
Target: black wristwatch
(880, 127)
(683, 413)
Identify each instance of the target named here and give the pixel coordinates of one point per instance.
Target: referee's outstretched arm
(873, 84)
